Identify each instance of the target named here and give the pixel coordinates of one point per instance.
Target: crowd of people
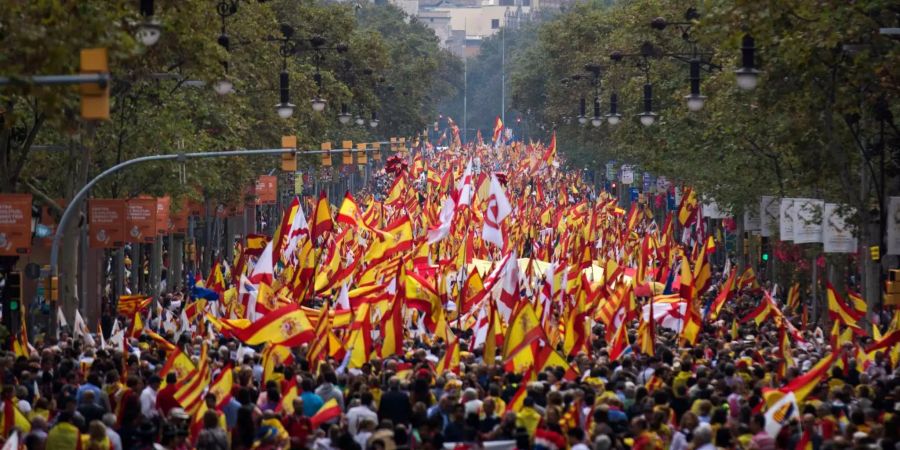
(69, 395)
(183, 380)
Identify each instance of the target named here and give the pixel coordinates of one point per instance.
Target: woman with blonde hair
(96, 438)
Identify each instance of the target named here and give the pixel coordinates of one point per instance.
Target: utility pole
(503, 72)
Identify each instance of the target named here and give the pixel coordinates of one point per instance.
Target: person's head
(211, 401)
(459, 412)
(109, 419)
(488, 407)
(97, 430)
(702, 435)
(575, 435)
(367, 399)
(88, 397)
(155, 381)
(758, 423)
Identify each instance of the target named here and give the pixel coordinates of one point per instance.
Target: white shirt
(357, 415)
(148, 403)
(115, 441)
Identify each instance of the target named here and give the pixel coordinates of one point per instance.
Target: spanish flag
(287, 398)
(222, 386)
(725, 294)
(392, 330)
(498, 130)
(329, 411)
(450, 361)
(323, 221)
(687, 210)
(838, 308)
(349, 212)
(550, 153)
(286, 326)
(518, 399)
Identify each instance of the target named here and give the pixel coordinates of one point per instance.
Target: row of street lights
(149, 31)
(747, 76)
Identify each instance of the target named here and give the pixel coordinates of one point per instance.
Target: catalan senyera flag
(793, 297)
(319, 348)
(130, 304)
(329, 411)
(838, 309)
(323, 221)
(190, 391)
(287, 326)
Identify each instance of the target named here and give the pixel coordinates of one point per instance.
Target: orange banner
(266, 189)
(15, 224)
(140, 220)
(163, 206)
(179, 219)
(107, 222)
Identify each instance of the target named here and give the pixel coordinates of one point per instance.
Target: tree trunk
(176, 262)
(156, 267)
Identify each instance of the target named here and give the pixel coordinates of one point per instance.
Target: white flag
(82, 330)
(467, 186)
(343, 299)
(442, 230)
(780, 413)
(498, 208)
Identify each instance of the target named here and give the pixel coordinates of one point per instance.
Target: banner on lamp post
(769, 210)
(837, 233)
(806, 218)
(786, 219)
(751, 221)
(893, 226)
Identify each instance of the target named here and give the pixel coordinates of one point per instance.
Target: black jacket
(395, 406)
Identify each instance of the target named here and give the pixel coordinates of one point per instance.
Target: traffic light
(94, 96)
(892, 288)
(765, 256)
(875, 252)
(326, 157)
(12, 300)
(51, 288)
(289, 160)
(361, 157)
(394, 144)
(347, 159)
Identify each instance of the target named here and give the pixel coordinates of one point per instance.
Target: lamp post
(149, 30)
(747, 75)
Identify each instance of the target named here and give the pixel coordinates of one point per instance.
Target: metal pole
(503, 74)
(46, 80)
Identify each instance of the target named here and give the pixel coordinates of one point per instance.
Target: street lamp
(149, 29)
(648, 117)
(344, 117)
(613, 118)
(695, 100)
(318, 104)
(597, 120)
(224, 86)
(582, 114)
(374, 122)
(360, 121)
(747, 75)
(285, 108)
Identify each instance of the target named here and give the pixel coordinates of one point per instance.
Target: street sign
(610, 171)
(627, 175)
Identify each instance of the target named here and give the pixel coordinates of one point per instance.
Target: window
(495, 24)
(526, 2)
